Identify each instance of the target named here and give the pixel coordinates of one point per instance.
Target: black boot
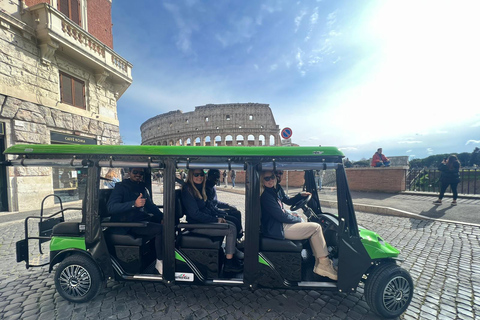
(232, 266)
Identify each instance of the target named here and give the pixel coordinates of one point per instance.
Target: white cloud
(313, 23)
(348, 149)
(429, 151)
(273, 67)
(185, 28)
(408, 151)
(409, 141)
(476, 124)
(472, 142)
(298, 19)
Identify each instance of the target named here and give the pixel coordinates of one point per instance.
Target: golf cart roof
(215, 154)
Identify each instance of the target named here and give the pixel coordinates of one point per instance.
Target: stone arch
(250, 140)
(229, 140)
(272, 140)
(239, 140)
(189, 142)
(218, 140)
(261, 140)
(198, 141)
(208, 141)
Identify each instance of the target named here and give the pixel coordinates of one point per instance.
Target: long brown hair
(451, 160)
(194, 189)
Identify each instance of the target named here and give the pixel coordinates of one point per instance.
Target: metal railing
(428, 180)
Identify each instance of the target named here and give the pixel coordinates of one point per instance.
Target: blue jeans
(382, 164)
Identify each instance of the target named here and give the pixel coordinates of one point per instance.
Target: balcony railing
(55, 31)
(428, 180)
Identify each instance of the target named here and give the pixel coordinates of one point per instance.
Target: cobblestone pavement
(439, 256)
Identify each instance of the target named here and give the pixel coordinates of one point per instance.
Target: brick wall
(295, 178)
(31, 3)
(390, 180)
(100, 20)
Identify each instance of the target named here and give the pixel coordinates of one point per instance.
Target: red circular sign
(286, 133)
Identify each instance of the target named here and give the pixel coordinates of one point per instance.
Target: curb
(391, 212)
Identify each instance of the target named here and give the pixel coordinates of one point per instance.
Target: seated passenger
(199, 210)
(231, 213)
(281, 193)
(279, 224)
(131, 202)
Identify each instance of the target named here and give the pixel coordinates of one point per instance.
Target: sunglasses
(272, 177)
(201, 174)
(138, 172)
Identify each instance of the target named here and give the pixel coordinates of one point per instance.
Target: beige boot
(159, 266)
(324, 268)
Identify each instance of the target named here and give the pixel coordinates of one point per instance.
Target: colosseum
(233, 124)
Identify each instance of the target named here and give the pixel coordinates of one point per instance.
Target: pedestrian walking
(225, 178)
(450, 168)
(233, 175)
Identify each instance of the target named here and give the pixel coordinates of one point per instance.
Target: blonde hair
(111, 174)
(194, 189)
(262, 186)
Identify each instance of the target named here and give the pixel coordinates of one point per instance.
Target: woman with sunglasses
(199, 210)
(278, 223)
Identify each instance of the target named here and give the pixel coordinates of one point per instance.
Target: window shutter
(63, 7)
(75, 10)
(66, 87)
(79, 94)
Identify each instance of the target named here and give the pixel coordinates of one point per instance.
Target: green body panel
(189, 151)
(63, 243)
(262, 261)
(179, 257)
(376, 247)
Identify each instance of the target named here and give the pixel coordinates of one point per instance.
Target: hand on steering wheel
(300, 204)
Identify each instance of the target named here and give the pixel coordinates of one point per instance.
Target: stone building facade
(59, 83)
(233, 124)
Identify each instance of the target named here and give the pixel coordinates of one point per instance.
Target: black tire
(78, 279)
(389, 290)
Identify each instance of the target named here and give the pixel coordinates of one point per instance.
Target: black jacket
(211, 192)
(274, 215)
(198, 210)
(286, 199)
(450, 175)
(122, 200)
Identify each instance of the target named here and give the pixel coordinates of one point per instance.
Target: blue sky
(402, 75)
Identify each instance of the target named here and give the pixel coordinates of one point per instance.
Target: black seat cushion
(70, 229)
(269, 244)
(125, 239)
(189, 239)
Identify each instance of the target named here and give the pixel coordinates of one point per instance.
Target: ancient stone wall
(247, 124)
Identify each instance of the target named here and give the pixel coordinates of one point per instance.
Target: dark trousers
(235, 216)
(453, 187)
(153, 229)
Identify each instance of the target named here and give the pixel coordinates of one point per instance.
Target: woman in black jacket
(199, 210)
(278, 223)
(450, 176)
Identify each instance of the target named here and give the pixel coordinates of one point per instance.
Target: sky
(358, 75)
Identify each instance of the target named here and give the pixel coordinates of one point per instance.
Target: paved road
(439, 256)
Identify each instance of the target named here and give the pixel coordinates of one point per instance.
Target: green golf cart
(85, 253)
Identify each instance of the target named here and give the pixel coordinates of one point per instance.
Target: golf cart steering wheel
(300, 204)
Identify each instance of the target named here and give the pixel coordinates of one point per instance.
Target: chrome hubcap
(396, 294)
(75, 280)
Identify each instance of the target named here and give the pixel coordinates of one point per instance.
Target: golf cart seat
(69, 229)
(186, 238)
(134, 253)
(278, 245)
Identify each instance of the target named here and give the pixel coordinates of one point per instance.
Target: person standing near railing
(450, 168)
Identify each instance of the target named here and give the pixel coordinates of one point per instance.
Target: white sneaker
(159, 266)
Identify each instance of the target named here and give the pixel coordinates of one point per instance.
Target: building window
(72, 91)
(250, 117)
(228, 117)
(239, 127)
(186, 121)
(206, 119)
(71, 8)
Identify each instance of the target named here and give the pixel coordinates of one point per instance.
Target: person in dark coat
(449, 168)
(230, 212)
(199, 210)
(283, 196)
(279, 223)
(131, 202)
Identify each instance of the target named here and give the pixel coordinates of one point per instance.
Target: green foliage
(361, 163)
(434, 161)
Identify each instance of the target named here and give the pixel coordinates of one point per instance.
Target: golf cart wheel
(389, 290)
(78, 278)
